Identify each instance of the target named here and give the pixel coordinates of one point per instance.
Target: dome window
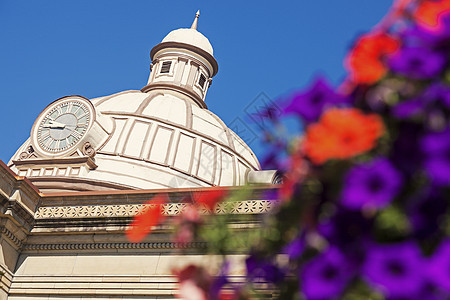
(165, 68)
(202, 80)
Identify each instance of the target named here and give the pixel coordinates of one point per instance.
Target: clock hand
(54, 124)
(58, 124)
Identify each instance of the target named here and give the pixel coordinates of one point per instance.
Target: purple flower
(312, 103)
(259, 269)
(428, 292)
(408, 108)
(439, 266)
(416, 36)
(430, 104)
(406, 151)
(417, 62)
(350, 230)
(295, 248)
(439, 39)
(219, 282)
(436, 149)
(372, 184)
(326, 275)
(396, 270)
(437, 93)
(425, 211)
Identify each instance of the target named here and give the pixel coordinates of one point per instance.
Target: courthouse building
(71, 189)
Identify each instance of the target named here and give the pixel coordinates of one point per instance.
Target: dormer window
(165, 67)
(202, 80)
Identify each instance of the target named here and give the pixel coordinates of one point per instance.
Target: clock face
(62, 125)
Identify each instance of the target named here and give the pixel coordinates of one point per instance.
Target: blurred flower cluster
(364, 209)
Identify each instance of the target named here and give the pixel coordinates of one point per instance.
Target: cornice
(56, 161)
(113, 246)
(139, 196)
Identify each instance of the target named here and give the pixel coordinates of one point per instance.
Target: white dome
(158, 141)
(157, 138)
(191, 37)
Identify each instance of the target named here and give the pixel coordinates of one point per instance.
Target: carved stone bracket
(29, 153)
(88, 150)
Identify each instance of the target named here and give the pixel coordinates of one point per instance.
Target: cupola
(183, 63)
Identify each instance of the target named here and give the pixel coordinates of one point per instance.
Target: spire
(194, 24)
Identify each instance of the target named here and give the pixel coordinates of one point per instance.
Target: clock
(62, 125)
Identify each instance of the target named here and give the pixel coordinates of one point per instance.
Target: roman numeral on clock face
(76, 134)
(45, 134)
(47, 142)
(77, 108)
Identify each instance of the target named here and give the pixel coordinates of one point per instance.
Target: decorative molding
(57, 161)
(5, 232)
(129, 210)
(76, 184)
(118, 245)
(246, 207)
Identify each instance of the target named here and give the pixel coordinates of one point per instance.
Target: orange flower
(210, 198)
(151, 215)
(429, 13)
(364, 61)
(342, 133)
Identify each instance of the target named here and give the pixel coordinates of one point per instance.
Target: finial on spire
(194, 24)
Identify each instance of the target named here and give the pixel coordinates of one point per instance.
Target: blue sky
(50, 49)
